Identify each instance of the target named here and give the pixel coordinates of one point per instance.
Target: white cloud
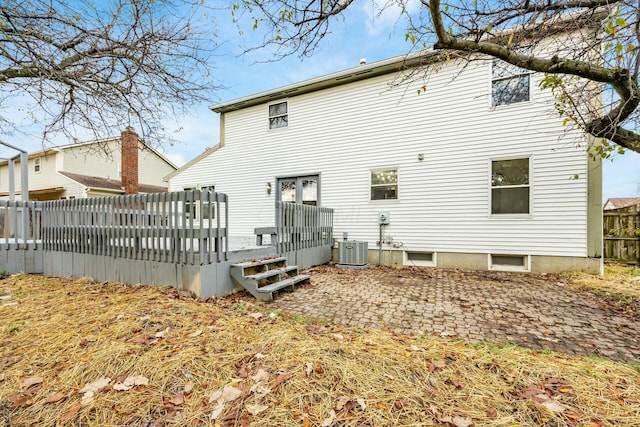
(386, 16)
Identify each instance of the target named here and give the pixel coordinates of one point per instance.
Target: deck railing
(188, 227)
(302, 226)
(20, 224)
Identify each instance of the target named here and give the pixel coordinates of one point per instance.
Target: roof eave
(391, 65)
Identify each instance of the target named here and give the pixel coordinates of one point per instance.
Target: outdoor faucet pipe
(380, 245)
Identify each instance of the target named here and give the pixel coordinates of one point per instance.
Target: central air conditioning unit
(351, 252)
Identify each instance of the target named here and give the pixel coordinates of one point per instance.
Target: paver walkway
(537, 312)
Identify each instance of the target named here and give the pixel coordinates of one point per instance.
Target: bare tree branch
(596, 42)
(100, 66)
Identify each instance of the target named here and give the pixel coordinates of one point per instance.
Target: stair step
(271, 273)
(259, 262)
(283, 283)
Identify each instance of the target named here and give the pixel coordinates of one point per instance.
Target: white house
(471, 165)
(119, 165)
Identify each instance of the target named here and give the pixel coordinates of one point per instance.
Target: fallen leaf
(492, 413)
(256, 315)
(256, 409)
(177, 400)
(329, 420)
(230, 393)
(280, 378)
(20, 400)
(90, 389)
(381, 405)
(554, 406)
(195, 334)
(260, 376)
(259, 356)
(217, 411)
(69, 413)
(339, 337)
(56, 397)
(188, 388)
(398, 404)
(362, 403)
(342, 400)
(215, 396)
(308, 369)
(131, 382)
(161, 334)
(28, 382)
(462, 422)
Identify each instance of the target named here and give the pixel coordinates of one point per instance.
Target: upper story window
(509, 84)
(384, 184)
(278, 115)
(37, 164)
(510, 186)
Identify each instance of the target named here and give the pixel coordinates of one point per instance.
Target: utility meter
(383, 217)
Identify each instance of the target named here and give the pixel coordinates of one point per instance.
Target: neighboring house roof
(110, 184)
(56, 149)
(621, 202)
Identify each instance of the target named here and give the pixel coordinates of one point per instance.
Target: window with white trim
(510, 187)
(509, 84)
(37, 164)
(384, 184)
(195, 208)
(278, 115)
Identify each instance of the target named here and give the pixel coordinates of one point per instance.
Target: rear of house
(470, 165)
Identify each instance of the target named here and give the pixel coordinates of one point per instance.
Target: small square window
(278, 115)
(37, 163)
(509, 84)
(384, 184)
(510, 186)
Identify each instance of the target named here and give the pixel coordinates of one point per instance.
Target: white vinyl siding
(445, 202)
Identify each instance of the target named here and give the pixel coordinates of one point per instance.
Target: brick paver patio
(537, 312)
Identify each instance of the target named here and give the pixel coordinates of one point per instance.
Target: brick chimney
(129, 146)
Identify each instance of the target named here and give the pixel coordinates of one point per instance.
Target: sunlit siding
(444, 200)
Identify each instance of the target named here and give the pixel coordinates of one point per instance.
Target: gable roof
(378, 68)
(59, 148)
(621, 202)
(109, 184)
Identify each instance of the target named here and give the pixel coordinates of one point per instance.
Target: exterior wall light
(268, 187)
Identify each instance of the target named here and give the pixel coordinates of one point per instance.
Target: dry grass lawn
(74, 352)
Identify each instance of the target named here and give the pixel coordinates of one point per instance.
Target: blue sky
(364, 33)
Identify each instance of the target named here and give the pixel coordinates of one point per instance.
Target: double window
(278, 115)
(205, 209)
(510, 187)
(509, 84)
(384, 184)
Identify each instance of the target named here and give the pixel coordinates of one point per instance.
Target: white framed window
(384, 184)
(509, 84)
(278, 115)
(195, 208)
(37, 165)
(510, 186)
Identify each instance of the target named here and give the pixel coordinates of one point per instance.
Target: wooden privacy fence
(622, 235)
(302, 226)
(20, 224)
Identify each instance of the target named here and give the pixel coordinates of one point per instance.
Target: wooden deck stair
(264, 277)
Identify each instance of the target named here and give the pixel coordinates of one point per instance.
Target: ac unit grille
(351, 252)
